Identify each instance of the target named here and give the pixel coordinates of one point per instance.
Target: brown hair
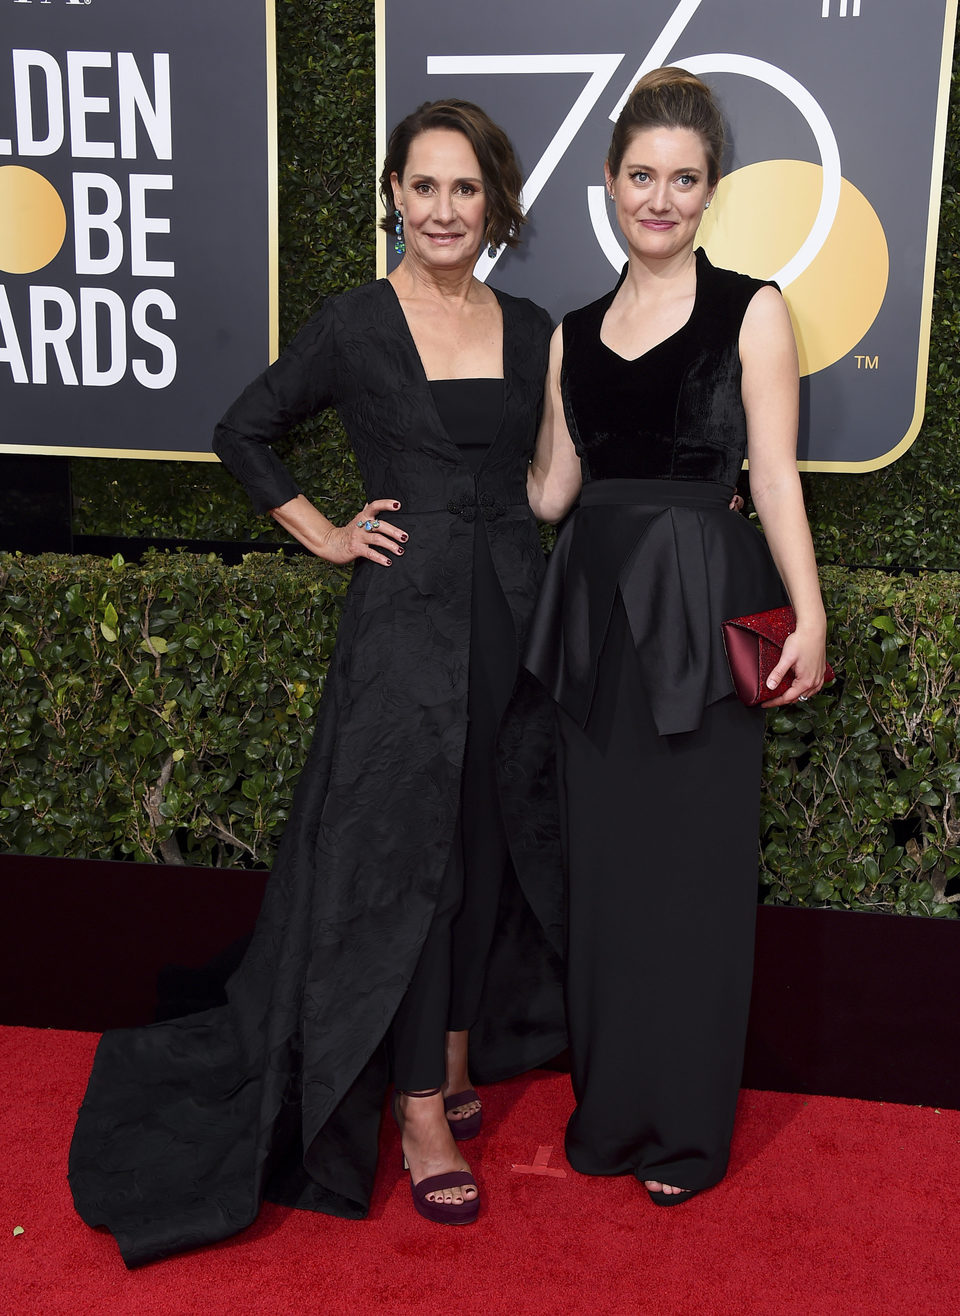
(670, 98)
(498, 164)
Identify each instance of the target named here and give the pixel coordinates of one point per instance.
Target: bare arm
(342, 543)
(554, 478)
(770, 397)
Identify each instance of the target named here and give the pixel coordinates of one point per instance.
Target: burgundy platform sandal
(671, 1199)
(465, 1129)
(441, 1213)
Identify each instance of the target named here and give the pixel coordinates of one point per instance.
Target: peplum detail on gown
(661, 439)
(682, 562)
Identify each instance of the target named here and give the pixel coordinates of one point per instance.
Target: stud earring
(399, 245)
(707, 206)
(492, 251)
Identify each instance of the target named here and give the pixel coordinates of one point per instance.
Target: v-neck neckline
(633, 360)
(424, 382)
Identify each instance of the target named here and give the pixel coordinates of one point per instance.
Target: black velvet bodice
(674, 413)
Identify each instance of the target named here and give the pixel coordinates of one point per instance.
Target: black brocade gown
(188, 1125)
(660, 763)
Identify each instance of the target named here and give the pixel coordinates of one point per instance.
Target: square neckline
(416, 351)
(425, 382)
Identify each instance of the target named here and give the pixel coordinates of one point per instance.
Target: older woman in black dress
(415, 894)
(657, 390)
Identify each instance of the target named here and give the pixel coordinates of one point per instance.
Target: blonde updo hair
(670, 98)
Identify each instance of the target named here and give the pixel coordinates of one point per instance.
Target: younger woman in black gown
(416, 890)
(656, 391)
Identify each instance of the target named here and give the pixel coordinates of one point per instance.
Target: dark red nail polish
(404, 538)
(396, 504)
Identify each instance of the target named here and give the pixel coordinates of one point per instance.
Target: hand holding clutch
(753, 645)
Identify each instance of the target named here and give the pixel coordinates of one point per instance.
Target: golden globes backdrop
(836, 111)
(137, 221)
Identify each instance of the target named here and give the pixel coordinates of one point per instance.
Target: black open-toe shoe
(441, 1213)
(672, 1199)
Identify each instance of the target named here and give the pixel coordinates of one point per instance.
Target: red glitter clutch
(754, 645)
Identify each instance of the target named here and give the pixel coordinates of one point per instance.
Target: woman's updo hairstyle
(491, 145)
(670, 98)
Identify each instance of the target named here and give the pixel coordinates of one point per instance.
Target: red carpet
(831, 1206)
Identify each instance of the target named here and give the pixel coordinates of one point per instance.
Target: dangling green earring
(399, 245)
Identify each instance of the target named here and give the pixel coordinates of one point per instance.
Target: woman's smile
(442, 185)
(660, 190)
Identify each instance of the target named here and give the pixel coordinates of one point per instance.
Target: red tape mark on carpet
(540, 1165)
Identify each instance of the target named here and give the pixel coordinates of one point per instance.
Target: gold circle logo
(761, 215)
(33, 222)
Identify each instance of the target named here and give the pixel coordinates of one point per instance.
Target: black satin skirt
(681, 562)
(661, 856)
(660, 776)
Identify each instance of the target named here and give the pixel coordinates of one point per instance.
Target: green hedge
(906, 515)
(161, 712)
(860, 805)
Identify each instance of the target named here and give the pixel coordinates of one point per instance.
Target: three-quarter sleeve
(301, 382)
